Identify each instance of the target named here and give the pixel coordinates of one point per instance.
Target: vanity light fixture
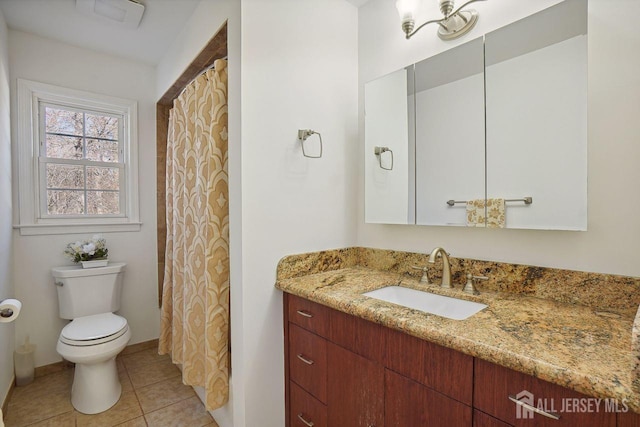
(455, 23)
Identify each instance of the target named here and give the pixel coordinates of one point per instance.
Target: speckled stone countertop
(574, 345)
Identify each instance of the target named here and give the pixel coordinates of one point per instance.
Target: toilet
(95, 335)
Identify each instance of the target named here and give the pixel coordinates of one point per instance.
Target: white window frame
(29, 138)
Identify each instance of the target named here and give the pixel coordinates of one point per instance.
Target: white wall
(611, 243)
(7, 330)
(39, 59)
(299, 71)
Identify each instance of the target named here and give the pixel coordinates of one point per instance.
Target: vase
(95, 263)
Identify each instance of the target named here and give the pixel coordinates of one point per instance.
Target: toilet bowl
(95, 335)
(92, 343)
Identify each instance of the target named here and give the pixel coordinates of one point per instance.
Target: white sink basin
(452, 308)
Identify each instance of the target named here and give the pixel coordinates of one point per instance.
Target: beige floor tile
(41, 371)
(126, 409)
(29, 410)
(142, 358)
(134, 348)
(65, 420)
(48, 384)
(138, 422)
(152, 373)
(163, 393)
(186, 413)
(125, 381)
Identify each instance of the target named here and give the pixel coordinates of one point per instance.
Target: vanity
(353, 360)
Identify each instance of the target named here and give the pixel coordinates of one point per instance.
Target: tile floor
(152, 395)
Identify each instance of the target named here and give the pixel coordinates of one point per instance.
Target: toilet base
(89, 398)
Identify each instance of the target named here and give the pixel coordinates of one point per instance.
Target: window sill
(44, 229)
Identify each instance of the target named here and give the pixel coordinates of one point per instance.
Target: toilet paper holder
(5, 312)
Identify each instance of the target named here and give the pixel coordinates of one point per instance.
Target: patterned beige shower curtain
(195, 296)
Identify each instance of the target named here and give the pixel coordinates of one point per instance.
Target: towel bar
(526, 200)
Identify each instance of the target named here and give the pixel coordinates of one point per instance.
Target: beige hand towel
(495, 217)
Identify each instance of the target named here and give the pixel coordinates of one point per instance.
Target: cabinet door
(355, 389)
(408, 403)
(442, 369)
(493, 386)
(628, 419)
(480, 419)
(360, 336)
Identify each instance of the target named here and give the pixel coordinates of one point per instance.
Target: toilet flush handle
(59, 284)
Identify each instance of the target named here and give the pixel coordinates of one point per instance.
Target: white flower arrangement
(87, 250)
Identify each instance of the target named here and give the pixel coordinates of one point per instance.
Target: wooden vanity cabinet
(365, 375)
(363, 381)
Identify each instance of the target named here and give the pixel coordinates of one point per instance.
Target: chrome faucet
(446, 266)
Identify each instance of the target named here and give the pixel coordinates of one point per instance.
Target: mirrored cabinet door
(449, 105)
(536, 107)
(389, 164)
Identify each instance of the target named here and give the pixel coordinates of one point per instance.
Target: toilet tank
(88, 291)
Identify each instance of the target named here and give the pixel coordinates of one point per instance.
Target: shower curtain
(195, 296)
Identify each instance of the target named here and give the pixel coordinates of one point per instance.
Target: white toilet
(95, 335)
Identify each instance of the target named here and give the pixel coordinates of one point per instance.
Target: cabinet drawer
(445, 370)
(308, 361)
(493, 384)
(309, 315)
(305, 410)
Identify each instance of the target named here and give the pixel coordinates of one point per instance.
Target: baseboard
(5, 403)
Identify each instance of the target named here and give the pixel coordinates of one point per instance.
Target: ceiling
(59, 20)
(161, 22)
(358, 3)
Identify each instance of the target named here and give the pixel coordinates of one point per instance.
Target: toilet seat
(94, 330)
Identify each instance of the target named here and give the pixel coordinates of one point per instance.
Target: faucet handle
(469, 287)
(425, 275)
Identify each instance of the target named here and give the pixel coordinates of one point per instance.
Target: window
(77, 161)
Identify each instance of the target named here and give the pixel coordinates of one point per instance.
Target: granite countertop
(575, 346)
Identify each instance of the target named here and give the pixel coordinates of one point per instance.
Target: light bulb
(407, 9)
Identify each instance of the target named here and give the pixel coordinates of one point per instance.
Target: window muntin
(82, 172)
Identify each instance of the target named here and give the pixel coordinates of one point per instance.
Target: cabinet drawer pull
(307, 423)
(533, 408)
(304, 313)
(305, 360)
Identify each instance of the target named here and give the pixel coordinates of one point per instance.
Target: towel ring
(303, 134)
(378, 151)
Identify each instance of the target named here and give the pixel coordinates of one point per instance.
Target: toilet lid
(94, 327)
